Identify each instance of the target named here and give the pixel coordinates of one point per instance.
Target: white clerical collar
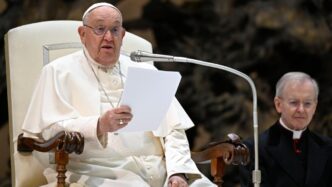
(296, 133)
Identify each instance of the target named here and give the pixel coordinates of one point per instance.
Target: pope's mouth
(107, 47)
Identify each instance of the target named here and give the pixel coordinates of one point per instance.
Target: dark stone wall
(263, 39)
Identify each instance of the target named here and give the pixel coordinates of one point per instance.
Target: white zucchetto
(96, 5)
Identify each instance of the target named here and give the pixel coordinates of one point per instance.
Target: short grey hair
(295, 76)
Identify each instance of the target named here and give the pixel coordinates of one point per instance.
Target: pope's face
(102, 35)
(297, 104)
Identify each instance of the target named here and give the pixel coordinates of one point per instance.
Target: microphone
(142, 56)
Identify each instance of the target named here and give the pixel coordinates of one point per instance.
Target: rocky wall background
(261, 38)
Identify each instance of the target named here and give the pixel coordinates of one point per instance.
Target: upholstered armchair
(28, 48)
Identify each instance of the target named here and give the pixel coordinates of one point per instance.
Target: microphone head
(143, 56)
(135, 56)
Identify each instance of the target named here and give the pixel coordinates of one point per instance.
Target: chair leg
(217, 170)
(61, 158)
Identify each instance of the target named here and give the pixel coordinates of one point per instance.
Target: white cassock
(69, 97)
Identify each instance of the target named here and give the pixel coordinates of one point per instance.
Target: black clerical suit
(282, 166)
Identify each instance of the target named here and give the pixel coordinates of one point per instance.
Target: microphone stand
(256, 174)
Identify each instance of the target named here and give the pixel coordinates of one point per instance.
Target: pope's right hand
(114, 119)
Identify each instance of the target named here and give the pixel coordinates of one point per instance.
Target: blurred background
(261, 38)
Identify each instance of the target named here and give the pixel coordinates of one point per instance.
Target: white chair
(31, 46)
(28, 48)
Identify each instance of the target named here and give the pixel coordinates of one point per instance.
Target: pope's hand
(177, 181)
(114, 119)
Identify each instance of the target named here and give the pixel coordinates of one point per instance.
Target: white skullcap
(96, 5)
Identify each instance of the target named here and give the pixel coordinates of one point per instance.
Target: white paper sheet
(149, 93)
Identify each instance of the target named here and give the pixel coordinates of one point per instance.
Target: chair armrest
(231, 151)
(62, 144)
(67, 141)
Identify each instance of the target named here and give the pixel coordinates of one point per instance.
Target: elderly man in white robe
(81, 92)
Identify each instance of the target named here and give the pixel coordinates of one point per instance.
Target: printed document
(149, 93)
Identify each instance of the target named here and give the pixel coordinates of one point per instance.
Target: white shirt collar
(296, 133)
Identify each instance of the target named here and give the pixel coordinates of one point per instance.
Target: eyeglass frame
(296, 103)
(114, 33)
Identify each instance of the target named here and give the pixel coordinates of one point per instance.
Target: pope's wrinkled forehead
(96, 5)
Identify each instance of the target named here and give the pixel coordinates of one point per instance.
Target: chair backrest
(27, 49)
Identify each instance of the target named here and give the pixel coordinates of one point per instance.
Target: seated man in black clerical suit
(290, 155)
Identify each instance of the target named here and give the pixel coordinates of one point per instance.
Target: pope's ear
(81, 32)
(123, 33)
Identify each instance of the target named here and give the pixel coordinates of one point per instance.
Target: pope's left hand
(177, 180)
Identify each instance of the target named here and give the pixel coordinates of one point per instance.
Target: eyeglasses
(296, 103)
(101, 30)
